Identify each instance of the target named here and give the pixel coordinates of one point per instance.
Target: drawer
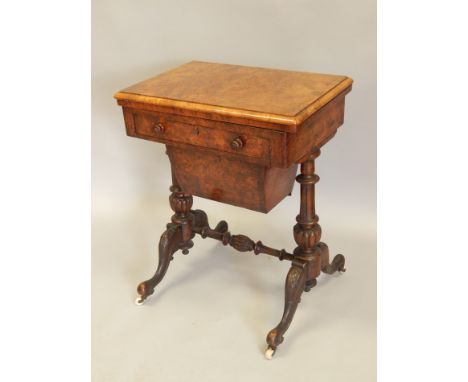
(230, 138)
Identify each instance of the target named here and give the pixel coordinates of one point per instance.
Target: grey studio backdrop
(209, 317)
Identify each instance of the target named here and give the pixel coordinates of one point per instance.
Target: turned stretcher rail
(241, 243)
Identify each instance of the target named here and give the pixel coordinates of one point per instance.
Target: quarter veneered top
(268, 95)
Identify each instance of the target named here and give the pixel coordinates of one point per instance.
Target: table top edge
(288, 122)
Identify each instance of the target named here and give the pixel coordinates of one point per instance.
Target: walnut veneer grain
(280, 97)
(236, 135)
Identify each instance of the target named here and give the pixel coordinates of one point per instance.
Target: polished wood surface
(236, 135)
(270, 147)
(241, 141)
(308, 260)
(283, 98)
(214, 176)
(242, 165)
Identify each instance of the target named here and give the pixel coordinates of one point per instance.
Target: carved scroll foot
(200, 223)
(170, 242)
(199, 219)
(202, 227)
(337, 264)
(310, 284)
(295, 284)
(221, 227)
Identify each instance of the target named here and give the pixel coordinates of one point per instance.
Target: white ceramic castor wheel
(269, 353)
(139, 301)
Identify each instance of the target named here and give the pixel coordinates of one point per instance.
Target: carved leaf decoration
(242, 243)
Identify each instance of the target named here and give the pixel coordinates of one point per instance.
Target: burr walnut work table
(236, 135)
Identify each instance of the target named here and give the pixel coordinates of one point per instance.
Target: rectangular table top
(281, 98)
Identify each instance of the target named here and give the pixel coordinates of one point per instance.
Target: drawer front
(234, 139)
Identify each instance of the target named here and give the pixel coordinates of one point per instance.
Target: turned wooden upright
(236, 135)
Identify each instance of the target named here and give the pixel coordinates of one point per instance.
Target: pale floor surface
(209, 317)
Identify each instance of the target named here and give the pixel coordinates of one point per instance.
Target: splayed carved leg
(178, 235)
(310, 257)
(295, 282)
(308, 260)
(337, 264)
(169, 243)
(304, 270)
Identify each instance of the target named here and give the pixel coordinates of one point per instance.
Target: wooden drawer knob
(237, 143)
(158, 128)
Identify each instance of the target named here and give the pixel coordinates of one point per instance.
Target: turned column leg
(177, 236)
(307, 231)
(305, 267)
(310, 256)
